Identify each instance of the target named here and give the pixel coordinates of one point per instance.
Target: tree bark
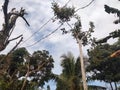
(9, 24)
(82, 65)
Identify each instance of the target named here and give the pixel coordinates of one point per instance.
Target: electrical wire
(36, 31)
(85, 6)
(41, 26)
(45, 36)
(66, 3)
(55, 29)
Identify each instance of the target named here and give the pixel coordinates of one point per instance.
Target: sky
(39, 12)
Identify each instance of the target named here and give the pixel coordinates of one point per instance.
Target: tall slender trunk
(25, 80)
(115, 85)
(111, 86)
(82, 65)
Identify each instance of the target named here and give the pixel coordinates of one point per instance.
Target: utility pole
(82, 64)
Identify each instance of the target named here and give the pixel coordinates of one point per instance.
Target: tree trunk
(111, 86)
(82, 65)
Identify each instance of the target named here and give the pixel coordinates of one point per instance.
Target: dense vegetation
(25, 71)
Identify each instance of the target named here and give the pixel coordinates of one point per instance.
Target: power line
(85, 5)
(66, 3)
(42, 26)
(55, 29)
(37, 31)
(45, 36)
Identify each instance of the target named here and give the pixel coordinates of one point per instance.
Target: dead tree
(9, 24)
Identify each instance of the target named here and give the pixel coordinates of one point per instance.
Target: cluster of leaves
(39, 60)
(70, 79)
(84, 36)
(113, 11)
(114, 34)
(103, 40)
(19, 64)
(63, 13)
(103, 67)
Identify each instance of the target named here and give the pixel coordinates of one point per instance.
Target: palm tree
(70, 78)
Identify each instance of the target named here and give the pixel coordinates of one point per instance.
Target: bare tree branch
(15, 38)
(5, 9)
(26, 21)
(12, 50)
(19, 15)
(9, 24)
(29, 72)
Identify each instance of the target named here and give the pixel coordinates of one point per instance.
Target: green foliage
(68, 65)
(44, 62)
(103, 40)
(19, 64)
(63, 13)
(84, 36)
(18, 55)
(103, 67)
(71, 76)
(115, 33)
(113, 11)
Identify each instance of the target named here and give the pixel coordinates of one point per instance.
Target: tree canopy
(20, 64)
(104, 67)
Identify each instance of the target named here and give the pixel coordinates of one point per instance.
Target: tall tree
(104, 67)
(64, 14)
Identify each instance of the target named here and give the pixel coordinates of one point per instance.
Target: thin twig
(15, 38)
(12, 49)
(15, 46)
(11, 31)
(39, 67)
(26, 21)
(5, 9)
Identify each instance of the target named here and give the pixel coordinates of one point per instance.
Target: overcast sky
(39, 12)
